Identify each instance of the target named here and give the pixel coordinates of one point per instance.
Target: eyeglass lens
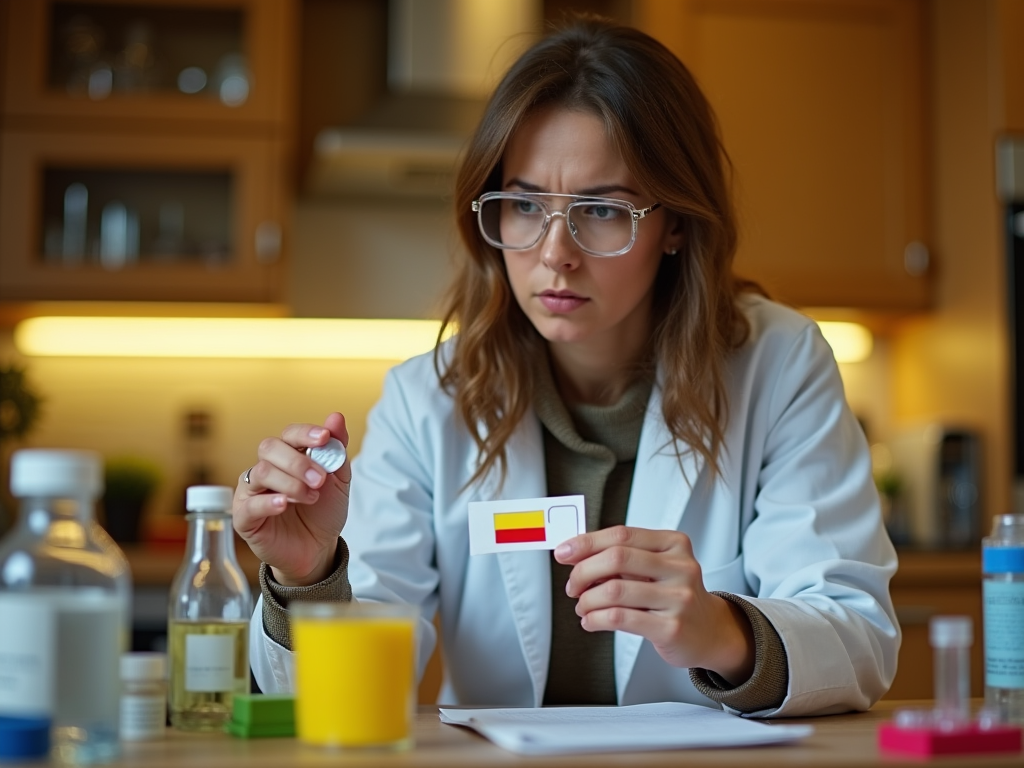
(601, 227)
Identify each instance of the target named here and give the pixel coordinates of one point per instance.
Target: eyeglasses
(601, 226)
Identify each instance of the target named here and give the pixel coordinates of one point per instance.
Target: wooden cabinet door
(248, 269)
(929, 584)
(821, 108)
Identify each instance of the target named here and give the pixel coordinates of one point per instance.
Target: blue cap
(24, 737)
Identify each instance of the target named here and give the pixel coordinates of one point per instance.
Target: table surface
(839, 740)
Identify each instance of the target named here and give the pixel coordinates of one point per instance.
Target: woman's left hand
(649, 583)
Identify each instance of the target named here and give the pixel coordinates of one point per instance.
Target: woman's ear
(674, 236)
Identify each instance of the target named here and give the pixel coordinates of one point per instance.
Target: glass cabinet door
(95, 217)
(202, 59)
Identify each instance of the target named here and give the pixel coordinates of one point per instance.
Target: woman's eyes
(601, 212)
(525, 206)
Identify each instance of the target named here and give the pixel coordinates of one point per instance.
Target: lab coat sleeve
(389, 530)
(816, 552)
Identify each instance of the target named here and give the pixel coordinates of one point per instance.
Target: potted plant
(20, 409)
(129, 482)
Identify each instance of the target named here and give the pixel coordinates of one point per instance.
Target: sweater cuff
(768, 684)
(276, 597)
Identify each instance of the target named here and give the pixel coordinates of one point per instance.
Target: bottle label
(142, 717)
(1003, 607)
(209, 663)
(1002, 560)
(28, 643)
(90, 639)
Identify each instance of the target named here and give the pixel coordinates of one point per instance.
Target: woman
(735, 554)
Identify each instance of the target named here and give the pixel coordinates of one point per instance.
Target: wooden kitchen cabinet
(145, 148)
(821, 106)
(931, 584)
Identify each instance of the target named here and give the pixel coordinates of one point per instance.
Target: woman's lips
(561, 302)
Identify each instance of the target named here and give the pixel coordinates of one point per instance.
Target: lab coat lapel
(662, 484)
(527, 575)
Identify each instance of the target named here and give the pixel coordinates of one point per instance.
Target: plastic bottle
(1002, 565)
(143, 696)
(65, 597)
(209, 615)
(951, 638)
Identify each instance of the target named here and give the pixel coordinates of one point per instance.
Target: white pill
(330, 456)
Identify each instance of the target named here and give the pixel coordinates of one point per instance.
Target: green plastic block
(256, 715)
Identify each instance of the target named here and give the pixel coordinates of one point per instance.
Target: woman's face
(572, 297)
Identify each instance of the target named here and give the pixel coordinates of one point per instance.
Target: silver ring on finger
(246, 475)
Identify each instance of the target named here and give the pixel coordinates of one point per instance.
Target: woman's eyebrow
(523, 185)
(588, 192)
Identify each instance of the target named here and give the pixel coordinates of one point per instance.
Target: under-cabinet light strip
(850, 342)
(222, 337)
(304, 338)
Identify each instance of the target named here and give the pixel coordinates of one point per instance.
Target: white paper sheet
(636, 728)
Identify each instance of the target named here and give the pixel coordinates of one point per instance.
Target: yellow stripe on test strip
(506, 521)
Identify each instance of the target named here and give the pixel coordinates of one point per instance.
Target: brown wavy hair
(663, 126)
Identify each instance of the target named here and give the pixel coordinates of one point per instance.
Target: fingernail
(279, 501)
(563, 550)
(317, 432)
(312, 477)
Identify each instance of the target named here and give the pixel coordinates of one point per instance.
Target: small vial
(951, 638)
(331, 456)
(143, 696)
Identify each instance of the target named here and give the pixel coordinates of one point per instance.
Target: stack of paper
(641, 727)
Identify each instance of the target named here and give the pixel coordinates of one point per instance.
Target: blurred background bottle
(208, 625)
(65, 600)
(1002, 566)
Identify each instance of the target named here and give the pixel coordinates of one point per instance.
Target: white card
(513, 525)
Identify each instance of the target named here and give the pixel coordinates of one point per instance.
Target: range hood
(444, 58)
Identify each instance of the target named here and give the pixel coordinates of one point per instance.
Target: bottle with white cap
(208, 622)
(65, 599)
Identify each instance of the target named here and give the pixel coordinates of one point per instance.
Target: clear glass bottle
(65, 602)
(1002, 565)
(208, 624)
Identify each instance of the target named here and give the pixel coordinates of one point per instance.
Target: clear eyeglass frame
(539, 198)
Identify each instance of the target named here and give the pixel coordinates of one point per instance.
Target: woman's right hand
(291, 512)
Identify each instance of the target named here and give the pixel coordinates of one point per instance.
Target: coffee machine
(939, 467)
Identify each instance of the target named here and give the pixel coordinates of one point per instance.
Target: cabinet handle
(916, 258)
(268, 242)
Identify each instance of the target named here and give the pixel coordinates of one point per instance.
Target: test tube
(951, 638)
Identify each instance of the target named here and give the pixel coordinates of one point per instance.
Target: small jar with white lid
(143, 696)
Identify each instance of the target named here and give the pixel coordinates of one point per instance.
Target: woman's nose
(559, 251)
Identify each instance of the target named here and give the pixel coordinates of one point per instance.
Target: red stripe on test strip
(518, 535)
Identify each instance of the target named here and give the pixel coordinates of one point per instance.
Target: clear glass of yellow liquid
(355, 666)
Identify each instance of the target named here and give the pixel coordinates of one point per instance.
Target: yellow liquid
(354, 681)
(202, 664)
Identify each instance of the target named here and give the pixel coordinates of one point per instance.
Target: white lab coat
(792, 523)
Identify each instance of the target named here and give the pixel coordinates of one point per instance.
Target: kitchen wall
(123, 406)
(364, 258)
